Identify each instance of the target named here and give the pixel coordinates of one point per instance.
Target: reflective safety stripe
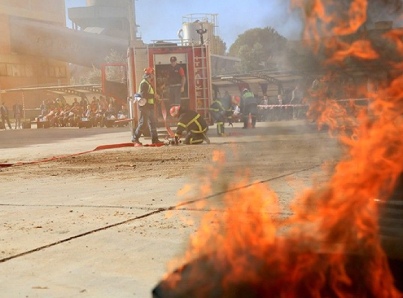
(198, 141)
(198, 124)
(150, 91)
(194, 120)
(180, 124)
(219, 108)
(220, 104)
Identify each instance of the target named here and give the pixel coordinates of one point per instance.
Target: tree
(218, 46)
(251, 57)
(259, 48)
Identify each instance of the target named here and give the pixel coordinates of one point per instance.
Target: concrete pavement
(91, 237)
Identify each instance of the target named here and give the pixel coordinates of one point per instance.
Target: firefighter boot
(220, 129)
(245, 122)
(206, 138)
(253, 121)
(157, 142)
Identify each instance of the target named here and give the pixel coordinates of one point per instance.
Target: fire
(360, 49)
(396, 36)
(331, 247)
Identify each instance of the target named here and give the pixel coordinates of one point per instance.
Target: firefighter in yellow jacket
(146, 107)
(192, 124)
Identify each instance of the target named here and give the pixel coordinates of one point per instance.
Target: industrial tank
(194, 22)
(116, 3)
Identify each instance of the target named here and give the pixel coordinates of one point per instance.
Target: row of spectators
(59, 113)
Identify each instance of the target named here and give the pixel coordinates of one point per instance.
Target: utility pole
(131, 66)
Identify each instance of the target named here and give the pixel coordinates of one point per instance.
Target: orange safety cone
(250, 120)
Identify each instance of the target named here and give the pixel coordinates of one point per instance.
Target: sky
(162, 19)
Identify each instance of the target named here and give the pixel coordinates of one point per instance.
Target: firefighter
(146, 91)
(176, 81)
(217, 112)
(192, 123)
(248, 105)
(226, 102)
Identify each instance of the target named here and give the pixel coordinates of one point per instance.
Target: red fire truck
(194, 59)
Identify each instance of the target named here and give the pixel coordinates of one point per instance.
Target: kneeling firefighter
(192, 123)
(217, 112)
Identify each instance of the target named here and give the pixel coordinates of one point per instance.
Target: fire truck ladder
(202, 81)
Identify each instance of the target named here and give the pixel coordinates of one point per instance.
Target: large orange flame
(331, 247)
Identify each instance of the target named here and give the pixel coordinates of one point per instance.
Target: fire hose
(164, 116)
(53, 158)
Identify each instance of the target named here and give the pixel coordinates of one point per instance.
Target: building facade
(18, 68)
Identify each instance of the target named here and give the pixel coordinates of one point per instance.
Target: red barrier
(265, 107)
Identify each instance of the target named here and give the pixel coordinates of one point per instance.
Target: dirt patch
(180, 161)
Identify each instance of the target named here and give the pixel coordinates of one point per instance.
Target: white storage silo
(108, 3)
(193, 23)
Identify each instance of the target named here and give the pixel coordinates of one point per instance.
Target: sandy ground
(103, 223)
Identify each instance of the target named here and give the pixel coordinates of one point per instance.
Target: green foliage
(218, 46)
(251, 57)
(93, 76)
(259, 48)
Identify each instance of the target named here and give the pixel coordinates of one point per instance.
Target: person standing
(146, 115)
(191, 123)
(248, 105)
(296, 99)
(17, 109)
(217, 112)
(280, 114)
(176, 82)
(4, 115)
(226, 102)
(263, 111)
(44, 108)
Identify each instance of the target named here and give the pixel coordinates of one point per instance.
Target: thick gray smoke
(385, 10)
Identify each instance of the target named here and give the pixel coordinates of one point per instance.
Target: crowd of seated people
(99, 112)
